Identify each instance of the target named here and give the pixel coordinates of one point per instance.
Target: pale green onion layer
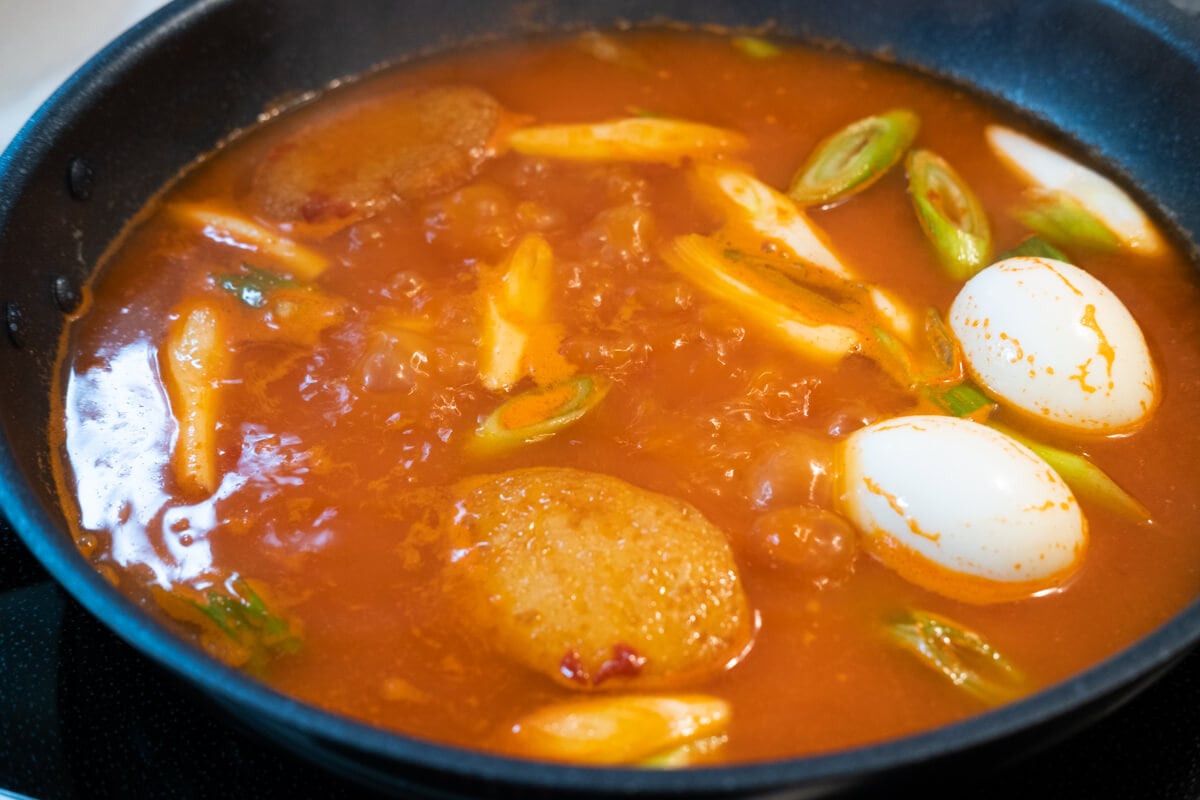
(961, 400)
(959, 654)
(756, 48)
(1063, 220)
(243, 616)
(252, 285)
(853, 158)
(950, 214)
(1035, 247)
(539, 413)
(1085, 478)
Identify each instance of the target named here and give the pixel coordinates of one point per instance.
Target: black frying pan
(1121, 77)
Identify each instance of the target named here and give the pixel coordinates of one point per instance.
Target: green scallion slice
(901, 363)
(645, 113)
(964, 657)
(754, 47)
(1063, 220)
(538, 414)
(853, 158)
(252, 285)
(1085, 478)
(942, 342)
(950, 214)
(961, 400)
(686, 755)
(1036, 247)
(244, 618)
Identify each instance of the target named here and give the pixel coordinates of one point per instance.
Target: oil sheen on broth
(646, 398)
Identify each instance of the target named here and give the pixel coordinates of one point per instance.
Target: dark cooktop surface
(82, 715)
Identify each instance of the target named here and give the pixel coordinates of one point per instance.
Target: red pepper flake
(571, 667)
(625, 663)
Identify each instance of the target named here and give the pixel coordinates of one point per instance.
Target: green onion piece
(686, 755)
(961, 400)
(635, 729)
(753, 47)
(1085, 478)
(903, 367)
(243, 617)
(1036, 247)
(950, 214)
(1063, 220)
(961, 655)
(654, 140)
(945, 347)
(853, 158)
(800, 318)
(253, 284)
(538, 414)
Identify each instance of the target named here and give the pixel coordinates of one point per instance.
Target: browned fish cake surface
(596, 582)
(402, 146)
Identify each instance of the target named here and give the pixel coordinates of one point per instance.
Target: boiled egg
(960, 509)
(1047, 338)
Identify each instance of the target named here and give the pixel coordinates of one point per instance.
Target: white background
(43, 41)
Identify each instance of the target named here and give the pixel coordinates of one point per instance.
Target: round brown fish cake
(406, 145)
(595, 582)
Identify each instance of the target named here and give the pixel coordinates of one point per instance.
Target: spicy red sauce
(325, 447)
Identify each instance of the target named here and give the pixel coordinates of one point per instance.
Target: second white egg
(1049, 339)
(960, 509)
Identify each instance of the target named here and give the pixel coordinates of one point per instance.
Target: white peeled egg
(1047, 338)
(960, 509)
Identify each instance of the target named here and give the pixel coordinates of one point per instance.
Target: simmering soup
(653, 398)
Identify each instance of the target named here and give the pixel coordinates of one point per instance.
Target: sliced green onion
(1064, 220)
(753, 47)
(1085, 478)
(853, 158)
(950, 214)
(687, 755)
(252, 285)
(945, 347)
(1054, 174)
(961, 400)
(635, 729)
(964, 657)
(244, 617)
(538, 414)
(901, 363)
(750, 205)
(800, 318)
(1036, 247)
(638, 139)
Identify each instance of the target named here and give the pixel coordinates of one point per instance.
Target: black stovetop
(82, 715)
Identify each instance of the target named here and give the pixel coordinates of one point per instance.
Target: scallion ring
(1062, 219)
(962, 656)
(950, 214)
(538, 414)
(1036, 247)
(853, 158)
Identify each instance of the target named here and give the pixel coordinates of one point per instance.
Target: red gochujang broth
(651, 398)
